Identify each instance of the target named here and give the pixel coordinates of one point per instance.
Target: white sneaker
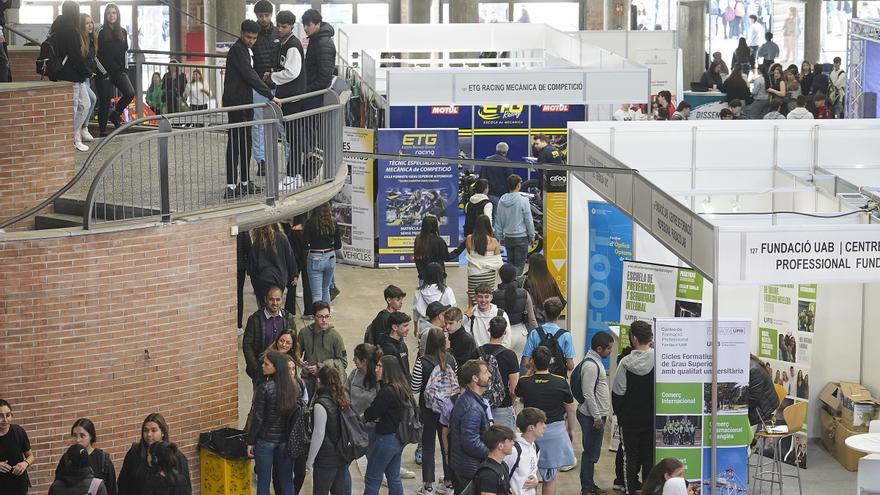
(80, 147)
(86, 137)
(239, 332)
(406, 474)
(425, 490)
(441, 489)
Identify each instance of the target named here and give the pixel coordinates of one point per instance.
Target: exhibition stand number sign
(683, 399)
(410, 189)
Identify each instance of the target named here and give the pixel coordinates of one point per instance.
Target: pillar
(617, 13)
(692, 39)
(419, 11)
(461, 11)
(225, 14)
(813, 30)
(594, 15)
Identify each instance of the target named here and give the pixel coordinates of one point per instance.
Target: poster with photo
(353, 204)
(683, 398)
(785, 342)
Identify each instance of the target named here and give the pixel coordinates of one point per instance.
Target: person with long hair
(387, 410)
(329, 474)
(154, 93)
(432, 288)
(84, 436)
(112, 52)
(296, 236)
(73, 48)
(286, 343)
(274, 401)
(322, 239)
(711, 78)
(87, 31)
(792, 90)
(742, 55)
(74, 476)
(429, 247)
(735, 87)
(135, 468)
(806, 78)
(436, 354)
(666, 478)
(777, 86)
(165, 476)
(483, 255)
(541, 285)
(174, 86)
(517, 304)
(197, 92)
(271, 262)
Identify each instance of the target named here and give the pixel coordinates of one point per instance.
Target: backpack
(729, 14)
(49, 63)
(473, 211)
(94, 486)
(353, 437)
(471, 488)
(441, 386)
(495, 394)
(300, 431)
(409, 430)
(577, 389)
(557, 362)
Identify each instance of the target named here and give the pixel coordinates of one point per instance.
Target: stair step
(69, 206)
(76, 206)
(56, 221)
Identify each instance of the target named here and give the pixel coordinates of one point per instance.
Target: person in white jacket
(478, 317)
(800, 112)
(433, 288)
(523, 461)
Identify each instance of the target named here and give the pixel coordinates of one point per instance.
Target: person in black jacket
(243, 249)
(289, 79)
(112, 49)
(270, 261)
(763, 400)
(329, 471)
(735, 87)
(166, 477)
(263, 327)
(429, 247)
(173, 88)
(711, 79)
(135, 469)
(74, 476)
(238, 85)
(296, 236)
(73, 49)
(264, 51)
(497, 176)
(83, 433)
(320, 61)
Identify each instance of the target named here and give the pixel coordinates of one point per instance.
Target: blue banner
(410, 189)
(611, 242)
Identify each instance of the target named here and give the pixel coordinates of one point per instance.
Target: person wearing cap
(434, 314)
(497, 176)
(264, 51)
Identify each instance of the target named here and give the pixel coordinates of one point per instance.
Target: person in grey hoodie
(632, 399)
(774, 113)
(800, 111)
(514, 226)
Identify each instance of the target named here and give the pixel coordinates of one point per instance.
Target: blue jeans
(592, 441)
(383, 456)
(504, 416)
(517, 251)
(93, 100)
(267, 454)
(257, 133)
(321, 267)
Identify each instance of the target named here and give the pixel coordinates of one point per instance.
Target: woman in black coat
(271, 262)
(75, 476)
(112, 53)
(135, 469)
(165, 476)
(83, 433)
(736, 88)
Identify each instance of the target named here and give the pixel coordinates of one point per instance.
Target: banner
(410, 189)
(785, 341)
(683, 399)
(353, 205)
(556, 226)
(659, 291)
(611, 242)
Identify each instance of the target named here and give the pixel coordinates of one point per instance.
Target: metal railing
(183, 170)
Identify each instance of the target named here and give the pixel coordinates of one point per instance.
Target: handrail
(181, 53)
(10, 28)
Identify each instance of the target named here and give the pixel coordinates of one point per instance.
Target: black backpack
(353, 437)
(472, 211)
(577, 390)
(49, 62)
(551, 341)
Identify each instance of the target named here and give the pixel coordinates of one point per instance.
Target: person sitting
(774, 113)
(735, 87)
(666, 478)
(711, 79)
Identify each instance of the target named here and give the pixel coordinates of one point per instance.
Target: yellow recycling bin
(228, 473)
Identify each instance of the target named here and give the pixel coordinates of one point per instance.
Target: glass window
(337, 13)
(153, 32)
(561, 15)
(372, 13)
(296, 8)
(36, 14)
(655, 14)
(835, 21)
(494, 12)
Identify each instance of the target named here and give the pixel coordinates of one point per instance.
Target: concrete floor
(361, 299)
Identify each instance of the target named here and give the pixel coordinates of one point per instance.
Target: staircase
(68, 212)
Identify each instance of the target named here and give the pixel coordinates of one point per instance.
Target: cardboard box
(846, 456)
(828, 425)
(851, 403)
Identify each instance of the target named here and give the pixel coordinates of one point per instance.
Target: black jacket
(266, 422)
(68, 45)
(462, 346)
(112, 51)
(497, 176)
(516, 310)
(397, 348)
(265, 49)
(320, 59)
(75, 484)
(763, 400)
(241, 80)
(550, 154)
(387, 408)
(135, 470)
(327, 454)
(268, 266)
(737, 90)
(157, 484)
(102, 468)
(439, 253)
(298, 85)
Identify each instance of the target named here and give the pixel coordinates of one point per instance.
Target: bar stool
(780, 396)
(794, 416)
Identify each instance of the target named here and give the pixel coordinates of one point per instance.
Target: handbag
(300, 431)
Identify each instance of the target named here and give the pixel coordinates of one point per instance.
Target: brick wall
(77, 313)
(36, 144)
(22, 61)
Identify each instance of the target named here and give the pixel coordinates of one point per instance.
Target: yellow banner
(556, 236)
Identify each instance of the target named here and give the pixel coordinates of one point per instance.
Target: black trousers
(430, 432)
(638, 456)
(105, 85)
(459, 482)
(328, 480)
(299, 474)
(238, 147)
(293, 131)
(239, 279)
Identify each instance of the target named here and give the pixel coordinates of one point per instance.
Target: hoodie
(429, 294)
(323, 347)
(774, 116)
(800, 113)
(514, 217)
(632, 389)
(320, 59)
(397, 348)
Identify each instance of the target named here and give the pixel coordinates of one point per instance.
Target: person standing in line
(394, 297)
(493, 475)
(541, 285)
(321, 345)
(197, 92)
(432, 289)
(296, 237)
(517, 305)
(496, 176)
(483, 255)
(74, 476)
(73, 50)
(270, 261)
(135, 472)
(289, 80)
(87, 31)
(16, 455)
(632, 398)
(274, 401)
(467, 422)
(523, 462)
(429, 247)
(263, 328)
(480, 315)
(320, 59)
(264, 55)
(84, 436)
(239, 83)
(322, 238)
(329, 471)
(383, 455)
(769, 51)
(478, 204)
(242, 253)
(514, 224)
(165, 476)
(836, 88)
(435, 317)
(112, 53)
(461, 342)
(393, 343)
(508, 367)
(594, 411)
(555, 338)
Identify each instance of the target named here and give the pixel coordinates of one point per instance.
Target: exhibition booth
(863, 69)
(747, 239)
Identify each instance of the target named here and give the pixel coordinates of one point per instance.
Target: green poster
(733, 430)
(767, 343)
(690, 285)
(691, 458)
(679, 398)
(807, 292)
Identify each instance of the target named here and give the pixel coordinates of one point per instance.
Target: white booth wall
(679, 157)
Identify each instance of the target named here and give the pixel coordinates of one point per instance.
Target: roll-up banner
(785, 342)
(353, 205)
(410, 189)
(683, 399)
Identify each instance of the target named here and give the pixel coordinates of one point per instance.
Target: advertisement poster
(659, 291)
(683, 399)
(410, 189)
(353, 205)
(556, 226)
(611, 242)
(785, 342)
